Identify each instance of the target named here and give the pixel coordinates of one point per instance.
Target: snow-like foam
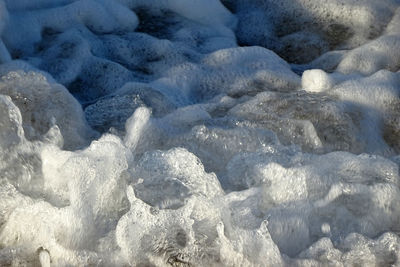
(44, 104)
(140, 133)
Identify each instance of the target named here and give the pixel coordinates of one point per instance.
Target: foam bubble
(316, 81)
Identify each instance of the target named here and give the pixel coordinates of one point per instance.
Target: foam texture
(199, 133)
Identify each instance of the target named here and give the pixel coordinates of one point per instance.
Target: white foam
(381, 53)
(11, 121)
(43, 104)
(207, 153)
(44, 258)
(27, 28)
(135, 125)
(316, 81)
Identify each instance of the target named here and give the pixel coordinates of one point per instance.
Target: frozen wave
(140, 133)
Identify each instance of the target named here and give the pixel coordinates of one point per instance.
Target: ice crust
(199, 133)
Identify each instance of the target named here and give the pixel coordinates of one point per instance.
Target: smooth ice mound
(199, 133)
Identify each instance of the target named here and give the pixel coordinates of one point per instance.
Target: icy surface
(199, 133)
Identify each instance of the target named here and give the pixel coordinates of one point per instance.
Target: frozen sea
(199, 133)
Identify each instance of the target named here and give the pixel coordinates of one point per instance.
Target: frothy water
(199, 133)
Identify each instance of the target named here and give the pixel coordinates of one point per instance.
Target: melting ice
(199, 133)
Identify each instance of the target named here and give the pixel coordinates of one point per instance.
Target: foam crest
(135, 125)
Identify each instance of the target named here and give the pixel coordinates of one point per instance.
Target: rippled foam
(210, 133)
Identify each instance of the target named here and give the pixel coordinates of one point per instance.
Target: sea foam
(199, 133)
